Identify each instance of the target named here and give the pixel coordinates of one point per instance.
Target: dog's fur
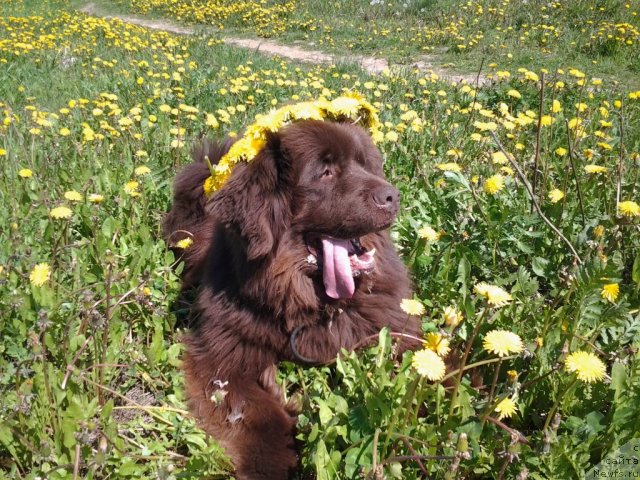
(258, 286)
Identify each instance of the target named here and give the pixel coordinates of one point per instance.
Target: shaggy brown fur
(269, 260)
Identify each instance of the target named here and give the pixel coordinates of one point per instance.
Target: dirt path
(372, 65)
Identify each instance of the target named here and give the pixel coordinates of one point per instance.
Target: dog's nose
(386, 197)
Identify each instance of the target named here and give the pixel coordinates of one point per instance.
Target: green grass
(599, 37)
(89, 358)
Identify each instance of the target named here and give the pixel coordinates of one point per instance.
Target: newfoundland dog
(291, 260)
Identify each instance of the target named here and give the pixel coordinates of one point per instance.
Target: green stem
(477, 364)
(492, 390)
(556, 404)
(467, 350)
(408, 397)
(419, 399)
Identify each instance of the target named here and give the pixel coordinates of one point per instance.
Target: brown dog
(292, 261)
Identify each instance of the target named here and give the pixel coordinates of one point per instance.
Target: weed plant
(519, 224)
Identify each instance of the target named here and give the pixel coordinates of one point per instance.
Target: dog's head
(323, 182)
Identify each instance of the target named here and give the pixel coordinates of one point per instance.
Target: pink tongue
(336, 268)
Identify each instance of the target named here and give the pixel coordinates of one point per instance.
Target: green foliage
(90, 351)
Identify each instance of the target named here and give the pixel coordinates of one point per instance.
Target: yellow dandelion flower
(131, 188)
(184, 243)
(629, 209)
(574, 123)
(271, 122)
(212, 121)
(576, 73)
(595, 169)
(391, 136)
(25, 173)
(485, 126)
(610, 292)
(555, 195)
(73, 196)
(428, 233)
(428, 364)
(506, 408)
(561, 152)
(209, 186)
(412, 307)
(452, 316)
(502, 342)
(3, 152)
(499, 158)
(496, 296)
(40, 274)
(546, 120)
(494, 184)
(142, 170)
(95, 198)
(514, 94)
(346, 106)
(306, 111)
(60, 212)
(449, 167)
(586, 366)
(436, 342)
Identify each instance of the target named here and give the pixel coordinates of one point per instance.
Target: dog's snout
(387, 197)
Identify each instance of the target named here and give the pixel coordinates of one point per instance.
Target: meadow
(599, 37)
(519, 225)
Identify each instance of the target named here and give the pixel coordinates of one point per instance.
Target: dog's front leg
(244, 412)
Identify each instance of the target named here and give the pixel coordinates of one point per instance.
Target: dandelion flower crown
(350, 107)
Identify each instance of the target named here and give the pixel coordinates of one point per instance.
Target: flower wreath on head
(351, 107)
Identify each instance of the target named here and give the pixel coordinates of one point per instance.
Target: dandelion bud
(452, 317)
(395, 470)
(462, 447)
(514, 448)
(598, 232)
(103, 444)
(556, 422)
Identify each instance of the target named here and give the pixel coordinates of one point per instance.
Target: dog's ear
(255, 201)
